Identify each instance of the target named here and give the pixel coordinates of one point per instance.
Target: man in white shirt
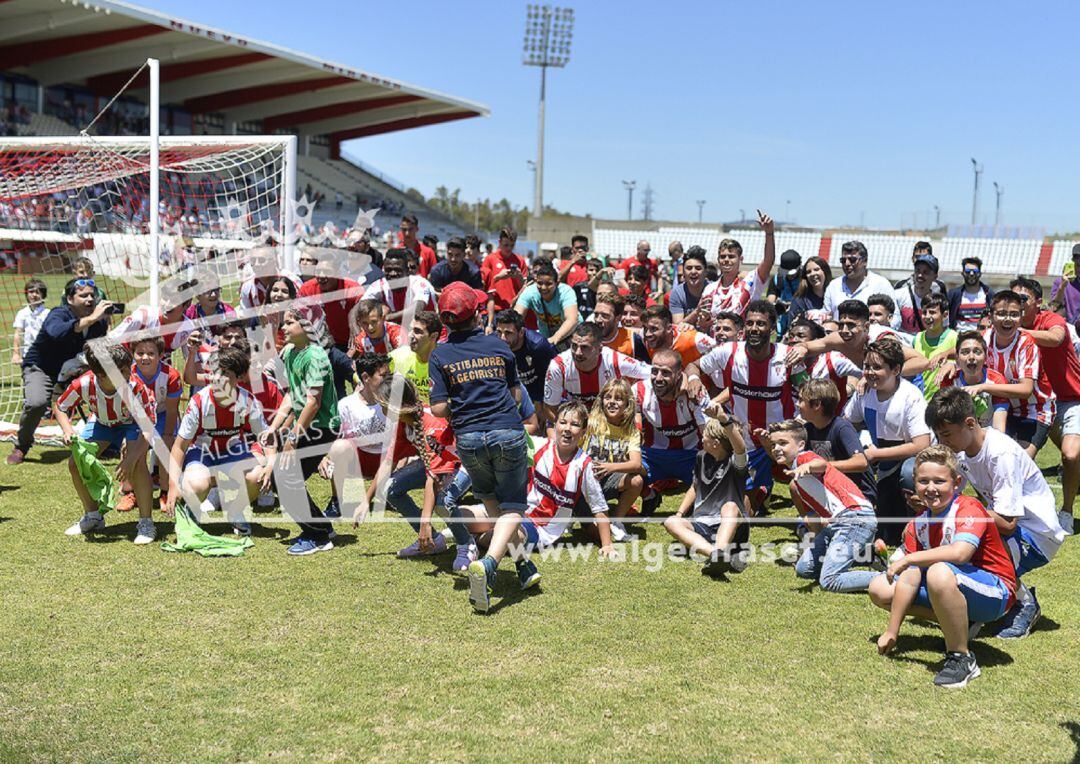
(857, 283)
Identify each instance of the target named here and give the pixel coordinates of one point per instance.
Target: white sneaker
(618, 532)
(145, 532)
(90, 522)
(213, 499)
(1065, 519)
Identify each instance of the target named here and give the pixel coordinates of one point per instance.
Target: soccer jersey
(223, 428)
(565, 381)
(147, 322)
(672, 425)
(555, 487)
(1013, 486)
(505, 290)
(830, 494)
(407, 363)
(268, 394)
(440, 444)
(892, 422)
(761, 391)
(418, 290)
(166, 383)
(253, 294)
(108, 409)
(363, 423)
(337, 302)
(624, 341)
(1018, 361)
(691, 345)
(393, 337)
(971, 309)
(735, 296)
(965, 520)
(837, 367)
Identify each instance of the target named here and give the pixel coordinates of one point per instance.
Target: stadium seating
(1062, 253)
(885, 253)
(999, 256)
(622, 242)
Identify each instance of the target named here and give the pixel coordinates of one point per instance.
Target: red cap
(459, 302)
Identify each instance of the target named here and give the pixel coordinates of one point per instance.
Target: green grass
(117, 652)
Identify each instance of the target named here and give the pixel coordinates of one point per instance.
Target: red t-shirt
(1060, 364)
(506, 290)
(630, 262)
(336, 309)
(426, 254)
(578, 273)
(269, 396)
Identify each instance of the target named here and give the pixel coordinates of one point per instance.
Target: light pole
(787, 211)
(700, 207)
(629, 185)
(999, 191)
(742, 215)
(977, 168)
(937, 216)
(548, 32)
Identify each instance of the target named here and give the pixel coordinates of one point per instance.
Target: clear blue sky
(850, 110)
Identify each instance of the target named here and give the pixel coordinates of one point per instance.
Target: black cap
(790, 260)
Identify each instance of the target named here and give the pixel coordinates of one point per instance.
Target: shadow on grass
(1073, 728)
(986, 654)
(50, 457)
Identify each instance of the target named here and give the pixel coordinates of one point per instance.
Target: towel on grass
(190, 537)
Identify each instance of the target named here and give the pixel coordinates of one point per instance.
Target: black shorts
(1027, 431)
(611, 484)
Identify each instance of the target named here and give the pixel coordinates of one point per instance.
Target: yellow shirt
(405, 362)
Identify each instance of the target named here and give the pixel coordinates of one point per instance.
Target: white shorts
(1068, 417)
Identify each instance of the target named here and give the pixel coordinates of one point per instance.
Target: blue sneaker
(1019, 621)
(528, 575)
(413, 549)
(333, 509)
(309, 546)
(481, 582)
(466, 555)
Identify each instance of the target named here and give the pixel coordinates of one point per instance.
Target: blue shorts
(668, 464)
(209, 459)
(532, 536)
(113, 434)
(159, 425)
(986, 594)
(759, 467)
(1025, 555)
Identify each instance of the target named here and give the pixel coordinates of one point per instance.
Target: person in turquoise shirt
(554, 304)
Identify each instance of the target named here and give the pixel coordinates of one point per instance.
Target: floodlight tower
(548, 33)
(978, 170)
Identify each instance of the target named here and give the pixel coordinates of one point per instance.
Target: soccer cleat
(304, 547)
(127, 502)
(465, 556)
(90, 522)
(1065, 520)
(242, 528)
(480, 584)
(413, 549)
(16, 457)
(145, 532)
(959, 669)
(333, 509)
(1021, 619)
(879, 556)
(528, 575)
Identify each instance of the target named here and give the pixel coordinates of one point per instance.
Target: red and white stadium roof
(100, 44)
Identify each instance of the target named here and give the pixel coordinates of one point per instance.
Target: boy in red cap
(474, 384)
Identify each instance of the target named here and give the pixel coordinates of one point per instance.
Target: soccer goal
(141, 209)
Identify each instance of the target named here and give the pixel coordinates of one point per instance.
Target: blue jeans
(497, 462)
(412, 477)
(833, 552)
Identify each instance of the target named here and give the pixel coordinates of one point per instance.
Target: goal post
(84, 196)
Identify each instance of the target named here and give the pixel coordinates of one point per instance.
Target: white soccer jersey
(1018, 361)
(223, 428)
(736, 296)
(892, 422)
(565, 381)
(837, 367)
(106, 408)
(761, 391)
(1012, 485)
(555, 488)
(143, 319)
(419, 290)
(670, 425)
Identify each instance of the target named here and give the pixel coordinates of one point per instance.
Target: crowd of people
(576, 391)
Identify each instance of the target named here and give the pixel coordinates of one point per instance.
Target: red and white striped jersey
(166, 383)
(672, 424)
(254, 295)
(736, 296)
(223, 428)
(268, 394)
(144, 319)
(830, 494)
(1022, 360)
(761, 391)
(106, 409)
(556, 486)
(837, 367)
(565, 381)
(393, 338)
(419, 290)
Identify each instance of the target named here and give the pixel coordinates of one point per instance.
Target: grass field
(116, 652)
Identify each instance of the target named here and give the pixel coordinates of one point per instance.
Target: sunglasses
(975, 271)
(852, 259)
(85, 283)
